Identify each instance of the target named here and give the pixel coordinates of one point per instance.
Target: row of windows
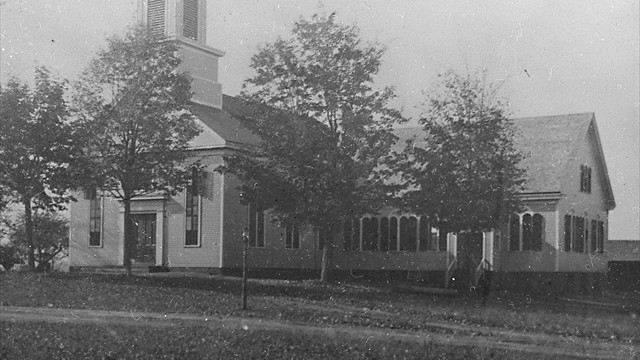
(407, 233)
(257, 233)
(526, 232)
(582, 235)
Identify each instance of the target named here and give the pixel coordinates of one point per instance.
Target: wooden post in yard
(245, 245)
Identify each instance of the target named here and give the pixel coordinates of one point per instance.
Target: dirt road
(455, 335)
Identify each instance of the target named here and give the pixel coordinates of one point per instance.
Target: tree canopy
(464, 174)
(325, 128)
(50, 237)
(132, 105)
(37, 146)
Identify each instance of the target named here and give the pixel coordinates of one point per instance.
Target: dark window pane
(95, 219)
(567, 233)
(404, 233)
(412, 234)
(292, 237)
(191, 213)
(296, 237)
(527, 232)
(424, 234)
(370, 234)
(393, 234)
(384, 234)
(355, 234)
(192, 238)
(514, 233)
(538, 232)
(94, 238)
(346, 235)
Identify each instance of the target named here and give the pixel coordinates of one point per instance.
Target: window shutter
(190, 19)
(156, 16)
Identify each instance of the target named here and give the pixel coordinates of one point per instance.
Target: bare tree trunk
(128, 228)
(28, 224)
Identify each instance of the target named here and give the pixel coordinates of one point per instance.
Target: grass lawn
(100, 341)
(351, 304)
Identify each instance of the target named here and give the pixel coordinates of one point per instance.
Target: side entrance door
(144, 229)
(469, 250)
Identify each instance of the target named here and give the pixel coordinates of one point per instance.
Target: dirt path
(461, 335)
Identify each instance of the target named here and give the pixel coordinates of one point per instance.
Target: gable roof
(222, 127)
(548, 143)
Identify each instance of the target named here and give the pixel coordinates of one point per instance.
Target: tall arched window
(370, 234)
(393, 234)
(527, 231)
(355, 234)
(514, 233)
(384, 234)
(404, 233)
(346, 235)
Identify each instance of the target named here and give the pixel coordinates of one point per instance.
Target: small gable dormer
(185, 22)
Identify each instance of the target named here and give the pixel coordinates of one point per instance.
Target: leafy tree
(9, 256)
(325, 130)
(37, 147)
(50, 238)
(464, 174)
(132, 105)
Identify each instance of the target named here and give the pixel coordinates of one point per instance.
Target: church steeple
(185, 21)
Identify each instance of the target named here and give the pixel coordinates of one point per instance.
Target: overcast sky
(579, 56)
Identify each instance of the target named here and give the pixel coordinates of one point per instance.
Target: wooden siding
(80, 253)
(589, 205)
(208, 253)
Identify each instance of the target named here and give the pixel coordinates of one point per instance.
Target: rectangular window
(95, 218)
(585, 178)
(192, 214)
(292, 237)
(256, 227)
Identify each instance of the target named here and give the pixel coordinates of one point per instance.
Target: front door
(469, 250)
(144, 230)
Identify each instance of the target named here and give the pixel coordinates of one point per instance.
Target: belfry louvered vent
(155, 16)
(190, 19)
